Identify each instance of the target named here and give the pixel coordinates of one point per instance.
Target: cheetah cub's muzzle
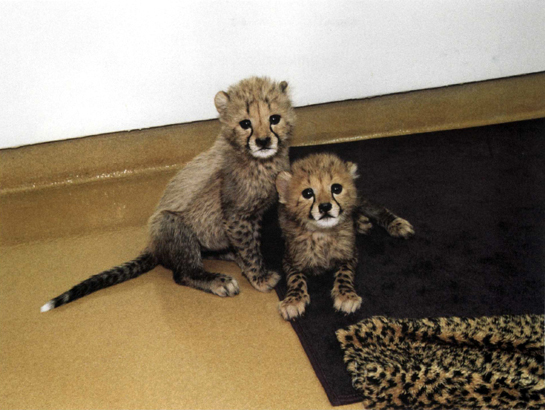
(326, 214)
(263, 147)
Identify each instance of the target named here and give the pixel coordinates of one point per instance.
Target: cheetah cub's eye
(336, 189)
(308, 193)
(245, 124)
(274, 119)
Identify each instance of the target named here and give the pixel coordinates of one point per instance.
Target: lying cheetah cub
(320, 213)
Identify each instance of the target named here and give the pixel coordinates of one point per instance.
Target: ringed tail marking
(129, 270)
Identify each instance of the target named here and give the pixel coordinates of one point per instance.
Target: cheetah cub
(213, 207)
(320, 213)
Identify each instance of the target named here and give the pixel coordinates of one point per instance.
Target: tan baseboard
(114, 181)
(159, 149)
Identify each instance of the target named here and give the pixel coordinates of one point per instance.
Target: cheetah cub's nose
(263, 142)
(325, 207)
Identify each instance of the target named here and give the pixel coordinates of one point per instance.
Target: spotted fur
(320, 213)
(213, 207)
(446, 363)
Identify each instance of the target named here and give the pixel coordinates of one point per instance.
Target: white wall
(77, 68)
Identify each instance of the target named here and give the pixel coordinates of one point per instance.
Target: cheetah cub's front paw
(265, 282)
(400, 228)
(363, 225)
(291, 308)
(347, 303)
(224, 286)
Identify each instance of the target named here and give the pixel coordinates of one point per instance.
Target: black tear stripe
(276, 135)
(270, 127)
(340, 207)
(248, 139)
(312, 206)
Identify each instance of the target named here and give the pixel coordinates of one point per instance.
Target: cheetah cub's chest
(316, 252)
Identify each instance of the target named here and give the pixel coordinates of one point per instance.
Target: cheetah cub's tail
(129, 270)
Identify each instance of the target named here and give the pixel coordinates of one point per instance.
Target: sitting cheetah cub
(214, 206)
(320, 213)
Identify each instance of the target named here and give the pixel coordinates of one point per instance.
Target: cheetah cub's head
(257, 116)
(319, 192)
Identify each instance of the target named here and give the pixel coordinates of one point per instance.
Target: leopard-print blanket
(444, 363)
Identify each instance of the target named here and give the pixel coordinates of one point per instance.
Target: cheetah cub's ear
(283, 86)
(282, 186)
(221, 100)
(353, 169)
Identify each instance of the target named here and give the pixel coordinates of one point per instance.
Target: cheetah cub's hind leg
(345, 298)
(216, 283)
(227, 256)
(297, 297)
(179, 250)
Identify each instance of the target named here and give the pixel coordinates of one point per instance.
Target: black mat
(476, 198)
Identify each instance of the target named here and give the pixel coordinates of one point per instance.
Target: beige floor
(144, 344)
(69, 210)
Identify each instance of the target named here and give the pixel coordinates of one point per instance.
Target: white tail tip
(48, 306)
